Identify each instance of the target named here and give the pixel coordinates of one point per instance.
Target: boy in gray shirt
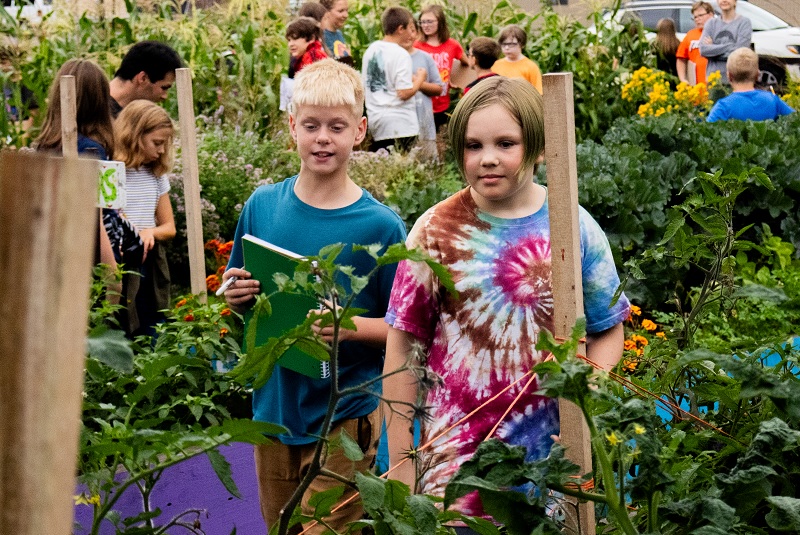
(723, 35)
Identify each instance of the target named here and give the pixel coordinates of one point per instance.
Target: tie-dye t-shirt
(483, 340)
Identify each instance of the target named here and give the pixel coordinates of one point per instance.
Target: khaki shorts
(280, 467)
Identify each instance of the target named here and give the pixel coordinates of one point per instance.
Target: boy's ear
(362, 131)
(293, 127)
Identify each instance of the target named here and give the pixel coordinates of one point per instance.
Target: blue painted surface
(193, 484)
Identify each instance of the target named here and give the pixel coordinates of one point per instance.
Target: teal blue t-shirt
(275, 214)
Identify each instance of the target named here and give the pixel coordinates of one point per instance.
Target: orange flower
(220, 271)
(212, 245)
(188, 317)
(180, 303)
(640, 340)
(223, 332)
(661, 335)
(212, 283)
(649, 325)
(225, 248)
(629, 365)
(629, 345)
(225, 312)
(636, 311)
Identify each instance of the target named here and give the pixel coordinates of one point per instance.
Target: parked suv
(32, 10)
(775, 41)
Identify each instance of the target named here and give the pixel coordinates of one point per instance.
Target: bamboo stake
(562, 183)
(69, 125)
(191, 183)
(49, 226)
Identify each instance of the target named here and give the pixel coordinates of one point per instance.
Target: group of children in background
(140, 137)
(407, 101)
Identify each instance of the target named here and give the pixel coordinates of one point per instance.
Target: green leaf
(110, 347)
(785, 514)
(323, 502)
(222, 468)
(350, 447)
(424, 513)
(373, 492)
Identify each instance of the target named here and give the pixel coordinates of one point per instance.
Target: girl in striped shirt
(143, 133)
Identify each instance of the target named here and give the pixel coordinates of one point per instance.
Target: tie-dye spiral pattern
(484, 340)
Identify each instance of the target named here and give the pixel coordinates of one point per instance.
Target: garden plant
(696, 431)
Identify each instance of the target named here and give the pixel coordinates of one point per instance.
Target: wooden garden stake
(49, 226)
(562, 183)
(69, 125)
(191, 183)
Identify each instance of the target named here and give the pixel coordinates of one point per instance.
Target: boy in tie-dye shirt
(494, 236)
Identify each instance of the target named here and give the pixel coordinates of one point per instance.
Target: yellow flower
(81, 499)
(613, 439)
(638, 429)
(629, 345)
(639, 339)
(629, 365)
(636, 311)
(661, 335)
(649, 325)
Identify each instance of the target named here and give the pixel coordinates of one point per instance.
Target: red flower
(188, 317)
(225, 248)
(223, 332)
(225, 312)
(212, 245)
(180, 303)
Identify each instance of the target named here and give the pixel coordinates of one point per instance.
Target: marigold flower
(220, 271)
(212, 283)
(225, 248)
(227, 312)
(636, 311)
(188, 317)
(661, 334)
(639, 339)
(649, 325)
(223, 332)
(180, 303)
(629, 345)
(629, 365)
(212, 245)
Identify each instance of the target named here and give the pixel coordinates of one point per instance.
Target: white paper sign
(111, 185)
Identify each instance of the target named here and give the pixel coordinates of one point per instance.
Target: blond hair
(522, 101)
(328, 83)
(135, 121)
(742, 66)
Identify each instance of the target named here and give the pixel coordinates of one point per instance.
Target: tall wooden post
(191, 182)
(69, 125)
(562, 183)
(48, 227)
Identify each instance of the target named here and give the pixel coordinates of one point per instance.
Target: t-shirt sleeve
(163, 185)
(717, 113)
(403, 74)
(683, 48)
(600, 279)
(413, 305)
(782, 107)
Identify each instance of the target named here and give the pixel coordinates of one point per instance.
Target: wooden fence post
(191, 183)
(562, 184)
(49, 226)
(69, 125)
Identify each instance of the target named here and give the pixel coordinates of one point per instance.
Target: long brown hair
(666, 42)
(442, 31)
(93, 111)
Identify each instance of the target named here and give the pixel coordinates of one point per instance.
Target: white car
(33, 10)
(776, 42)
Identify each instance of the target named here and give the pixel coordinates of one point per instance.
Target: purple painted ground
(193, 484)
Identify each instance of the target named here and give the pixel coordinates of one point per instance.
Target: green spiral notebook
(263, 259)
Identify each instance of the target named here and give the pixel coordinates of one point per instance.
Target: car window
(650, 17)
(759, 18)
(685, 20)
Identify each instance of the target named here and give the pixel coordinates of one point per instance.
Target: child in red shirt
(305, 46)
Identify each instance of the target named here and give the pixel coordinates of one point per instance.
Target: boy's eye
(310, 126)
(473, 146)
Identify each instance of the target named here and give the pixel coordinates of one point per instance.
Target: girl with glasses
(436, 41)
